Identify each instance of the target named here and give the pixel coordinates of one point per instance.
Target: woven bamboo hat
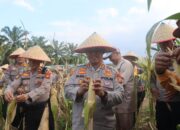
(163, 33)
(176, 32)
(36, 53)
(4, 66)
(93, 43)
(131, 55)
(17, 52)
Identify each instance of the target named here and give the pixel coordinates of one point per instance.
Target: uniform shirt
(103, 116)
(36, 85)
(13, 71)
(127, 72)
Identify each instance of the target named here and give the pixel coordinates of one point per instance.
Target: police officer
(18, 67)
(167, 100)
(125, 110)
(35, 86)
(108, 91)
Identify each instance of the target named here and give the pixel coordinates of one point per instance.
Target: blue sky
(123, 23)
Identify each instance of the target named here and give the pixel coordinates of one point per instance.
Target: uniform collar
(102, 66)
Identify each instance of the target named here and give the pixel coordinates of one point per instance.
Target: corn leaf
(44, 124)
(54, 105)
(11, 112)
(149, 4)
(175, 16)
(89, 107)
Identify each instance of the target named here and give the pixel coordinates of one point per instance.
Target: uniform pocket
(108, 84)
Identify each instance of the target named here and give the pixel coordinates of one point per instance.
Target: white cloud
(108, 12)
(25, 4)
(136, 11)
(140, 1)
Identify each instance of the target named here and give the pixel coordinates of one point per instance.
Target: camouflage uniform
(104, 117)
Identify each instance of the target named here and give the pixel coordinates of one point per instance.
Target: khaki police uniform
(104, 118)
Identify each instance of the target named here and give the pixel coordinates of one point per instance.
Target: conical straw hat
(94, 42)
(163, 33)
(131, 55)
(4, 66)
(17, 52)
(36, 53)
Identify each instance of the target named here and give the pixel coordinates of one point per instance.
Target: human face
(95, 58)
(20, 60)
(166, 45)
(34, 64)
(115, 58)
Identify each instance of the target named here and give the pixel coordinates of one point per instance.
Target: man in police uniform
(167, 100)
(35, 87)
(108, 91)
(18, 67)
(125, 111)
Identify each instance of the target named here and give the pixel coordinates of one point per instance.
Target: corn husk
(176, 68)
(44, 124)
(54, 105)
(175, 78)
(89, 107)
(11, 112)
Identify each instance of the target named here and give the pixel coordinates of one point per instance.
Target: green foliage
(59, 52)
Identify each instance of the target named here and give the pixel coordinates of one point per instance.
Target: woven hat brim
(35, 58)
(95, 48)
(176, 33)
(130, 57)
(161, 41)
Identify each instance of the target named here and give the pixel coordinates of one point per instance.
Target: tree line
(60, 52)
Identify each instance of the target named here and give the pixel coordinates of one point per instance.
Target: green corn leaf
(149, 4)
(175, 16)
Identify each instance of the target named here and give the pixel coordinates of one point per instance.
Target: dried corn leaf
(44, 124)
(89, 107)
(54, 105)
(11, 112)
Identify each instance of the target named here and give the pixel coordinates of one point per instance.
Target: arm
(114, 97)
(71, 88)
(13, 86)
(41, 90)
(127, 71)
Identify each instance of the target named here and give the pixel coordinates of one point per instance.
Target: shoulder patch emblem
(82, 71)
(107, 73)
(48, 74)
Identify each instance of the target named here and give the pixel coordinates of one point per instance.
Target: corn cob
(89, 107)
(11, 112)
(175, 78)
(54, 105)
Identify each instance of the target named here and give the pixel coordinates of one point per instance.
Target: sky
(123, 23)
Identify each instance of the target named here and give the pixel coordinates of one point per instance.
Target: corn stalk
(64, 106)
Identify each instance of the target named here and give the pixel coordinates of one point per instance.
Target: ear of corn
(11, 112)
(54, 105)
(89, 107)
